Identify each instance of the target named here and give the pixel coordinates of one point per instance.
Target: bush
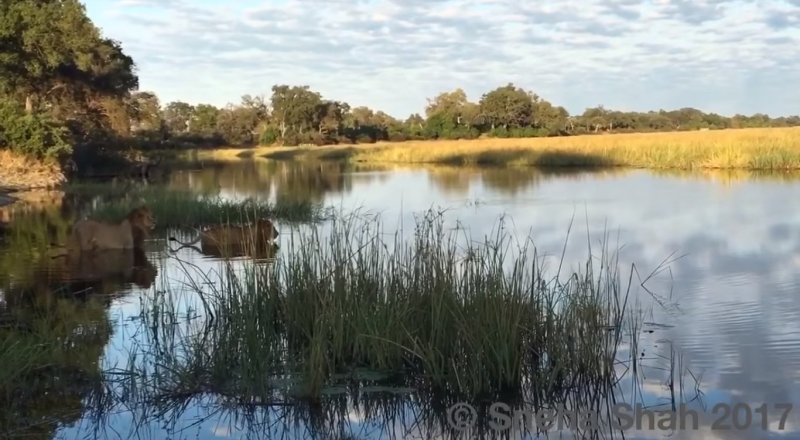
(32, 135)
(269, 136)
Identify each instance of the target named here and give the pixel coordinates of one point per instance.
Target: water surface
(723, 314)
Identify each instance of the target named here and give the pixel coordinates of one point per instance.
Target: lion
(92, 235)
(229, 240)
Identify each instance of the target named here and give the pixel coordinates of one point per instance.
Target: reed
(180, 208)
(436, 313)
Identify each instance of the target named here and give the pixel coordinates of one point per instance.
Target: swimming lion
(130, 233)
(230, 240)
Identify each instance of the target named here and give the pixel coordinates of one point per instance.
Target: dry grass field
(753, 149)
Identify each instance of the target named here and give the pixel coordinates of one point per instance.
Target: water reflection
(317, 181)
(263, 179)
(51, 344)
(730, 301)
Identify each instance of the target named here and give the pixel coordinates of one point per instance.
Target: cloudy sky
(716, 55)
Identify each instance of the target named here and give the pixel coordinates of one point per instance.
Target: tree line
(295, 115)
(66, 89)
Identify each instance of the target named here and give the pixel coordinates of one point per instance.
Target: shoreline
(6, 197)
(743, 149)
(20, 174)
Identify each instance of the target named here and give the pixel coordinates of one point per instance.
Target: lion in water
(130, 233)
(228, 240)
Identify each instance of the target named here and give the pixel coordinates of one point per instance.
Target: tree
(329, 116)
(595, 118)
(204, 120)
(144, 111)
(177, 115)
(238, 124)
(293, 108)
(507, 106)
(414, 126)
(450, 104)
(51, 54)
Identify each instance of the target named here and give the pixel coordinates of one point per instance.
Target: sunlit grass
(773, 148)
(18, 171)
(752, 148)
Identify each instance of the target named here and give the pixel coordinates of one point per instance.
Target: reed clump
(437, 312)
(180, 208)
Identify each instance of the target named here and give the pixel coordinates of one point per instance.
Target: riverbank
(19, 173)
(751, 148)
(6, 198)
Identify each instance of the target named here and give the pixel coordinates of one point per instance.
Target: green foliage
(56, 61)
(300, 116)
(177, 116)
(51, 53)
(204, 120)
(507, 106)
(30, 134)
(269, 136)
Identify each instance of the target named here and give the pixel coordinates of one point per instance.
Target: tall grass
(752, 148)
(181, 208)
(439, 314)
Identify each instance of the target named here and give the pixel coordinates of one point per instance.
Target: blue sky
(722, 56)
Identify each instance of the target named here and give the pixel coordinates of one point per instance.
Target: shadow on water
(324, 154)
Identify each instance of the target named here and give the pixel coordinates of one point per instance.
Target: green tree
(507, 107)
(145, 112)
(329, 116)
(51, 54)
(294, 108)
(238, 124)
(204, 120)
(414, 125)
(177, 115)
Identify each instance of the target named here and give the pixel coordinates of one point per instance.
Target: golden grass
(18, 171)
(754, 149)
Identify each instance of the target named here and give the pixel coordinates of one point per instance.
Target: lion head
(266, 229)
(142, 221)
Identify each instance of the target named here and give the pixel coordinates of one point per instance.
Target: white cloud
(724, 56)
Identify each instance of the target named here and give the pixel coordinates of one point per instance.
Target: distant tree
(329, 117)
(507, 107)
(294, 108)
(177, 115)
(144, 111)
(237, 125)
(204, 120)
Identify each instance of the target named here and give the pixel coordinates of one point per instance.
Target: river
(721, 311)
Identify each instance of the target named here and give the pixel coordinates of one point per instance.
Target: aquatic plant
(437, 313)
